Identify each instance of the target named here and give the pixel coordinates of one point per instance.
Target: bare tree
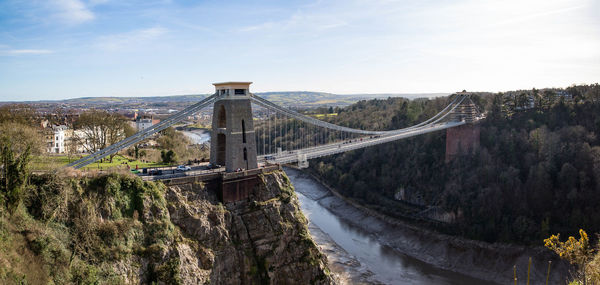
(72, 146)
(99, 129)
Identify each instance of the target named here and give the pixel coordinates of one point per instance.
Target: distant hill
(321, 98)
(286, 98)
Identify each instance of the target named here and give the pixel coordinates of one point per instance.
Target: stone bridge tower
(232, 141)
(463, 140)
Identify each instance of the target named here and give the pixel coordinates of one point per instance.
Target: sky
(58, 49)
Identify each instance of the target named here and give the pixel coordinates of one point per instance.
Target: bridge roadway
(312, 152)
(171, 172)
(197, 170)
(339, 147)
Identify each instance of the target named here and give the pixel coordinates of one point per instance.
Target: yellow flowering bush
(576, 251)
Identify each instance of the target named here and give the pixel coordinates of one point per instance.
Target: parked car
(183, 168)
(155, 172)
(213, 166)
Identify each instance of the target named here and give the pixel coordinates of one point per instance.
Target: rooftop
(233, 85)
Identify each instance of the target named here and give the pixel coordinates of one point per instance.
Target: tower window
(243, 131)
(240, 91)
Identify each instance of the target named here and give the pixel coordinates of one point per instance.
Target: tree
(593, 94)
(22, 137)
(18, 113)
(72, 147)
(142, 153)
(100, 129)
(168, 157)
(509, 103)
(170, 139)
(496, 108)
(18, 140)
(537, 98)
(14, 174)
(522, 100)
(548, 99)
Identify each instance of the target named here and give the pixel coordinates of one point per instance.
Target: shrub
(168, 157)
(576, 251)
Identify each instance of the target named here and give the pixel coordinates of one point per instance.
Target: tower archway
(222, 117)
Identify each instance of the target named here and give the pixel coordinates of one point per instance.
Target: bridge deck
(207, 175)
(334, 148)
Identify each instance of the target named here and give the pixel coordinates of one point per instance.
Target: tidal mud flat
(365, 249)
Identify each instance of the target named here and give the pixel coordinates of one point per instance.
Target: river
(198, 136)
(356, 254)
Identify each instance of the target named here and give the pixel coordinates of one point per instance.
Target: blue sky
(56, 49)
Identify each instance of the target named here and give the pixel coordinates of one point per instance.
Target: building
(564, 95)
(55, 139)
(144, 123)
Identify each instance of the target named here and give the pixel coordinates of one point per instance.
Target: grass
(47, 162)
(325, 115)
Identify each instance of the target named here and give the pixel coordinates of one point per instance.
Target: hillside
(537, 171)
(287, 98)
(116, 229)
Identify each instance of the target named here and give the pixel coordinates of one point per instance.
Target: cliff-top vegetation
(536, 172)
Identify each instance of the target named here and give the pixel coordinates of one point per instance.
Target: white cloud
(72, 11)
(97, 2)
(300, 21)
(129, 40)
(25, 51)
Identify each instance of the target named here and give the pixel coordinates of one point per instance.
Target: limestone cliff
(262, 241)
(117, 229)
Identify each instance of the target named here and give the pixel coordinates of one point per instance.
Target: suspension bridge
(247, 141)
(244, 137)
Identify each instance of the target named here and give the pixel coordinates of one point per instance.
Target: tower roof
(233, 84)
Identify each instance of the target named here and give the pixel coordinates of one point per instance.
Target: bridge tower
(232, 140)
(466, 111)
(463, 140)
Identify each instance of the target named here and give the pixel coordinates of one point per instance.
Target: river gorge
(366, 250)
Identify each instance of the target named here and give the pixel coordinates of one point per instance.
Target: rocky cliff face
(117, 229)
(258, 242)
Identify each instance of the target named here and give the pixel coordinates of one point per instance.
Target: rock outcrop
(261, 241)
(118, 229)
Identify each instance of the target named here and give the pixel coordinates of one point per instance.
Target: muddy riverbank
(370, 249)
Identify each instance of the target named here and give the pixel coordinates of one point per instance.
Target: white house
(144, 123)
(56, 139)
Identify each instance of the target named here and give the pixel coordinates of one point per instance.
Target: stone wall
(462, 140)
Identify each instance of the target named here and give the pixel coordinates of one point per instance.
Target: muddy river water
(356, 254)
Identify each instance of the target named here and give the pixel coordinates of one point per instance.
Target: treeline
(22, 126)
(537, 171)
